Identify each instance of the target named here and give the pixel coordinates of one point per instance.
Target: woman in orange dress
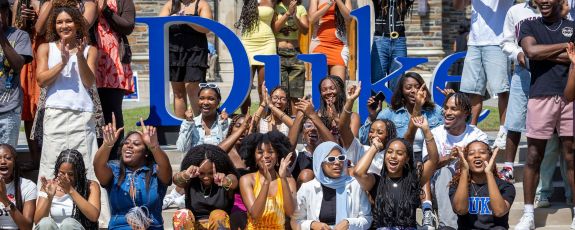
(329, 19)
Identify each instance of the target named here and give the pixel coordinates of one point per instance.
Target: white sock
(502, 128)
(574, 210)
(528, 209)
(509, 164)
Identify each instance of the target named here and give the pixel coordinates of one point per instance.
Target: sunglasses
(210, 85)
(332, 159)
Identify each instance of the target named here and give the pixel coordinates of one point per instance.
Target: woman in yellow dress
(268, 192)
(257, 37)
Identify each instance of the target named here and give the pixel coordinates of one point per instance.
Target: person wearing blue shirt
(137, 183)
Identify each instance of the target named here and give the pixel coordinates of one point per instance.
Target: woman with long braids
(333, 200)
(69, 200)
(209, 179)
(277, 117)
(188, 53)
(255, 23)
(397, 188)
(136, 184)
(268, 192)
(329, 19)
(333, 99)
(17, 204)
(476, 184)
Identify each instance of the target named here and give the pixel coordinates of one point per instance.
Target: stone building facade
(428, 36)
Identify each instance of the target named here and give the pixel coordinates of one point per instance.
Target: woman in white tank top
(66, 69)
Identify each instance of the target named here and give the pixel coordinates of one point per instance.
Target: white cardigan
(309, 198)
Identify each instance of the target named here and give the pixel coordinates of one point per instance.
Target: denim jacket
(121, 201)
(192, 133)
(400, 118)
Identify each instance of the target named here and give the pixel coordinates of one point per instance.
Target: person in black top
(209, 179)
(389, 39)
(188, 53)
(479, 198)
(544, 42)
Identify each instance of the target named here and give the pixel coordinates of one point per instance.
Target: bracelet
(347, 111)
(429, 140)
(228, 183)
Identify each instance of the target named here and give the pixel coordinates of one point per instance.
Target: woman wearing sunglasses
(333, 200)
(210, 126)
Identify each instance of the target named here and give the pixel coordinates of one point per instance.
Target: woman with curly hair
(329, 19)
(209, 179)
(397, 188)
(17, 194)
(66, 68)
(268, 192)
(277, 117)
(69, 200)
(137, 183)
(188, 53)
(255, 24)
(88, 9)
(477, 184)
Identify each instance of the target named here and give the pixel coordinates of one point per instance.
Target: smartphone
(379, 97)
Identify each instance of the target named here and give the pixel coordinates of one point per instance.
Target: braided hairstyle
(398, 99)
(253, 142)
(462, 102)
(15, 176)
(235, 119)
(340, 98)
(249, 17)
(81, 182)
(340, 22)
(197, 155)
(149, 162)
(398, 211)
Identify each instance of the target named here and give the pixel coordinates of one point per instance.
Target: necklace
(395, 181)
(552, 30)
(209, 190)
(477, 191)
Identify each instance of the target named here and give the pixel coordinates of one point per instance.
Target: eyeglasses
(282, 99)
(332, 159)
(210, 85)
(308, 125)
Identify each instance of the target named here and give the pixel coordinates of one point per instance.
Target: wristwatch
(12, 207)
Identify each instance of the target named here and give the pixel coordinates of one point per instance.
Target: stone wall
(428, 36)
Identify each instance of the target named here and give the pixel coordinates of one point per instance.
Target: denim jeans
(10, 127)
(48, 223)
(384, 50)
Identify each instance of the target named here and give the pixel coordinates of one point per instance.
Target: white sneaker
(573, 224)
(171, 198)
(542, 202)
(527, 222)
(500, 140)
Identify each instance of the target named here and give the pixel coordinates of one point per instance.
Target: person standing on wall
(485, 56)
(188, 52)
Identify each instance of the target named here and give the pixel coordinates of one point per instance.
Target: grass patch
(131, 116)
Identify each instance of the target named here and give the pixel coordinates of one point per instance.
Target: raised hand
(3, 192)
(64, 183)
(491, 165)
(49, 186)
(224, 115)
(420, 122)
(110, 133)
(445, 91)
(28, 14)
(375, 142)
(218, 177)
(189, 114)
(285, 162)
(421, 95)
(373, 112)
(80, 47)
(571, 52)
(353, 91)
(64, 51)
(305, 106)
(267, 175)
(458, 151)
(149, 135)
(292, 7)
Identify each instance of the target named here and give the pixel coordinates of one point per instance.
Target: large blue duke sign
(159, 115)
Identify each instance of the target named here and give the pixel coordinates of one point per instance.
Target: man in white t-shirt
(484, 55)
(454, 132)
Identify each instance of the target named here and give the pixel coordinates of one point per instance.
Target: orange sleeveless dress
(326, 40)
(274, 215)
